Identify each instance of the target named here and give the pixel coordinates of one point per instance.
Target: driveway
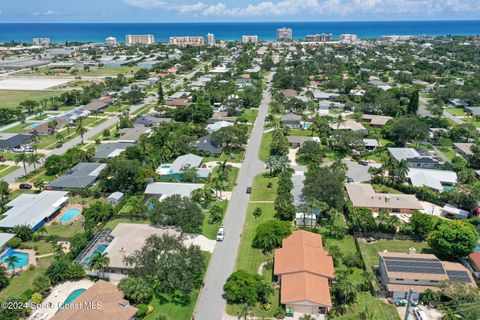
(356, 171)
(211, 304)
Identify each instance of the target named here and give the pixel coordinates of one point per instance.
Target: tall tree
(80, 129)
(99, 262)
(413, 103)
(23, 158)
(161, 98)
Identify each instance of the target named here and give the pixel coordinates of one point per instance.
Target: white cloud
(46, 13)
(145, 4)
(315, 8)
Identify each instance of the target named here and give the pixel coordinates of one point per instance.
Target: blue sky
(234, 10)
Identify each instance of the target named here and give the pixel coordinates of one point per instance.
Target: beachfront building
(146, 39)
(249, 39)
(364, 196)
(304, 270)
(187, 41)
(284, 35)
(348, 37)
(401, 272)
(319, 37)
(210, 39)
(111, 41)
(42, 42)
(34, 210)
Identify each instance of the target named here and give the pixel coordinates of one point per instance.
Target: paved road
(211, 304)
(453, 118)
(75, 141)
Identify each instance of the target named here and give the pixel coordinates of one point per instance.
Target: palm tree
(34, 134)
(34, 158)
(222, 176)
(52, 126)
(60, 137)
(42, 230)
(99, 262)
(81, 130)
(402, 169)
(11, 261)
(22, 157)
(340, 121)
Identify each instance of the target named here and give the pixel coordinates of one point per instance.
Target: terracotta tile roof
(303, 238)
(475, 259)
(303, 258)
(305, 286)
(106, 295)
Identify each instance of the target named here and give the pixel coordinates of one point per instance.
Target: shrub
(14, 242)
(142, 310)
(37, 297)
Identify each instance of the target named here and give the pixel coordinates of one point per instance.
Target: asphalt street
(211, 304)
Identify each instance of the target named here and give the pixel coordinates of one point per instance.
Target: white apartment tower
(111, 41)
(249, 39)
(146, 39)
(210, 39)
(284, 34)
(44, 42)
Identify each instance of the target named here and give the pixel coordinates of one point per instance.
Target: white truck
(221, 233)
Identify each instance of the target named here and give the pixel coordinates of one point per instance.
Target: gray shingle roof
(12, 140)
(83, 175)
(109, 150)
(166, 189)
(205, 144)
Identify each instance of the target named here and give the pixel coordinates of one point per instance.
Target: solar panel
(416, 270)
(411, 259)
(459, 276)
(433, 267)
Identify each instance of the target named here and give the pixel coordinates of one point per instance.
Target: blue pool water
(100, 249)
(22, 258)
(477, 249)
(74, 295)
(69, 214)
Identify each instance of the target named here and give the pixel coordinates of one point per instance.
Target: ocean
(97, 32)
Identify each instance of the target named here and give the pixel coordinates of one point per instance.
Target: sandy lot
(31, 84)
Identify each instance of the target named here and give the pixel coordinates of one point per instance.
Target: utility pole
(409, 304)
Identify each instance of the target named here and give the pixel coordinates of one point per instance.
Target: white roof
(166, 189)
(31, 209)
(431, 178)
(455, 211)
(4, 238)
(370, 142)
(218, 125)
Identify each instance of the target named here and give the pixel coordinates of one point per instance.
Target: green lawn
(109, 71)
(231, 155)
(6, 170)
(42, 247)
(19, 128)
(265, 146)
(24, 280)
(385, 189)
(370, 250)
(12, 98)
(260, 191)
(376, 307)
(210, 230)
(458, 112)
(65, 230)
(298, 132)
(250, 114)
(448, 152)
(173, 310)
(113, 223)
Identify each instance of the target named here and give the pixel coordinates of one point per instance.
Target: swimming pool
(22, 259)
(74, 295)
(69, 214)
(164, 169)
(100, 249)
(477, 249)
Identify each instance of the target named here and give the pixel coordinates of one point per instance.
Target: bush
(142, 310)
(248, 288)
(269, 235)
(37, 297)
(14, 242)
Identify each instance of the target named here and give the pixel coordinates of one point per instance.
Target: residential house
(401, 272)
(328, 105)
(177, 103)
(113, 304)
(162, 190)
(34, 210)
(298, 141)
(133, 134)
(474, 260)
(110, 150)
(364, 196)
(43, 129)
(454, 213)
(415, 158)
(98, 105)
(322, 95)
(463, 149)
(289, 93)
(222, 116)
(218, 125)
(376, 120)
(438, 180)
(205, 144)
(10, 141)
(473, 111)
(292, 121)
(457, 103)
(304, 270)
(149, 121)
(348, 124)
(370, 144)
(4, 238)
(175, 169)
(83, 175)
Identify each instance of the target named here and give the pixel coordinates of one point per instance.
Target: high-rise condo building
(111, 41)
(348, 37)
(319, 37)
(147, 39)
(210, 39)
(284, 34)
(249, 39)
(44, 42)
(188, 41)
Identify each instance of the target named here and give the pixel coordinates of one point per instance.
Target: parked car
(25, 186)
(58, 145)
(363, 163)
(249, 190)
(221, 233)
(420, 314)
